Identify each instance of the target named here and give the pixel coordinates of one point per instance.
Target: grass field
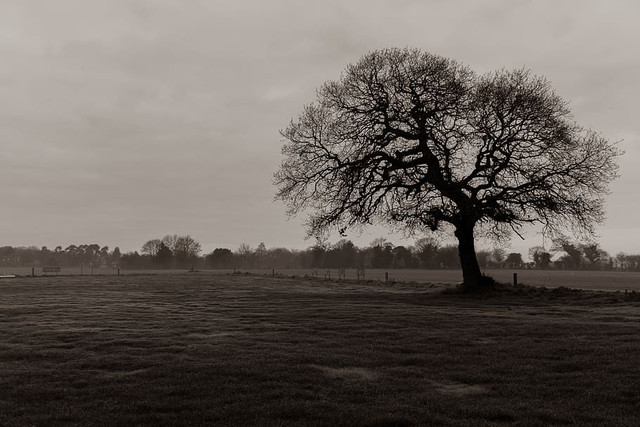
(254, 350)
(597, 280)
(583, 279)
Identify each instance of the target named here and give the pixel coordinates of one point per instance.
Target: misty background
(125, 120)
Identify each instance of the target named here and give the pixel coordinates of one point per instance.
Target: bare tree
(594, 254)
(573, 258)
(426, 249)
(245, 255)
(185, 248)
(514, 260)
(540, 256)
(164, 256)
(498, 256)
(170, 241)
(151, 247)
(417, 141)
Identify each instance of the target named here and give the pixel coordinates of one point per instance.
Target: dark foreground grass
(248, 350)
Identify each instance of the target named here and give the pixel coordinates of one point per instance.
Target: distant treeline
(173, 251)
(71, 256)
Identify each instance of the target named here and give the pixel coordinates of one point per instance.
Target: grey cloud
(124, 120)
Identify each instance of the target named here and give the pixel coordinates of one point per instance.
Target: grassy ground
(249, 350)
(583, 279)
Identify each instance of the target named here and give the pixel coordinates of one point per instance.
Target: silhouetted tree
(498, 255)
(381, 255)
(281, 258)
(402, 257)
(7, 254)
(484, 258)
(573, 257)
(47, 257)
(260, 255)
(514, 260)
(185, 250)
(245, 255)
(626, 262)
(540, 257)
(342, 254)
(131, 260)
(447, 257)
(220, 258)
(164, 256)
(151, 247)
(416, 141)
(115, 256)
(426, 251)
(170, 240)
(594, 254)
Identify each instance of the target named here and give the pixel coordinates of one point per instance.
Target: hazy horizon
(124, 121)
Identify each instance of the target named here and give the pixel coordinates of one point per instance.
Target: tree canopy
(417, 141)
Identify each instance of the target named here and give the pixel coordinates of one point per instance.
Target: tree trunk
(471, 275)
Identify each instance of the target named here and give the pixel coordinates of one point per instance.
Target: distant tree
(164, 256)
(342, 254)
(282, 258)
(514, 260)
(318, 253)
(170, 240)
(260, 255)
(484, 258)
(416, 141)
(426, 250)
(594, 254)
(91, 253)
(447, 257)
(151, 247)
(220, 258)
(131, 260)
(115, 255)
(627, 262)
(573, 258)
(7, 255)
(381, 255)
(47, 257)
(245, 255)
(185, 250)
(402, 257)
(245, 250)
(28, 255)
(620, 261)
(540, 257)
(498, 256)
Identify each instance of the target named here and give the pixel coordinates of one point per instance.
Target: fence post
(386, 276)
(515, 279)
(118, 271)
(33, 272)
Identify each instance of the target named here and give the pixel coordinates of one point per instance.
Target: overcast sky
(125, 120)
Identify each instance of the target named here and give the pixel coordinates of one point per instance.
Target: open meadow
(580, 279)
(220, 349)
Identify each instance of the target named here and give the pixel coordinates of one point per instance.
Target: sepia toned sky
(125, 120)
